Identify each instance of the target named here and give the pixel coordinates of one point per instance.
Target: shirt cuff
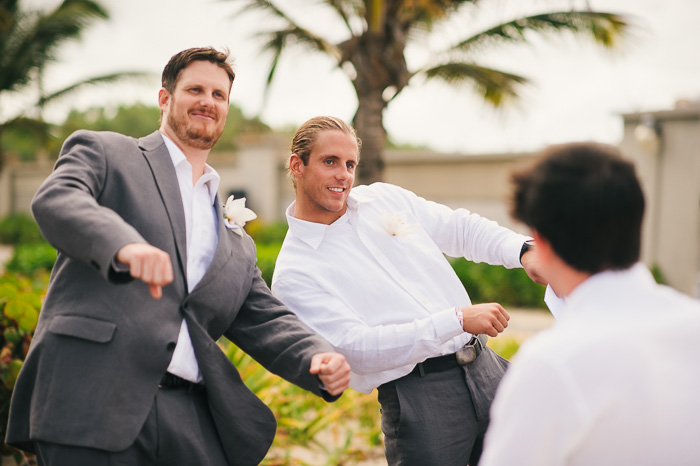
(446, 325)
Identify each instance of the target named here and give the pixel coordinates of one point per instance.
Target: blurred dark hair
(586, 200)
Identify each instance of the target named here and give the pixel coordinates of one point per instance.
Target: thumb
(317, 363)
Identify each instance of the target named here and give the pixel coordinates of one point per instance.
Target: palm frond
(33, 38)
(345, 10)
(423, 14)
(278, 41)
(94, 81)
(495, 86)
(605, 28)
(266, 6)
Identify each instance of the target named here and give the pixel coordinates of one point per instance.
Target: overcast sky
(577, 92)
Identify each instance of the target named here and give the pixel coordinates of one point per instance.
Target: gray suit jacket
(103, 343)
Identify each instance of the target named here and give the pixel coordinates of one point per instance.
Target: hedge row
(484, 283)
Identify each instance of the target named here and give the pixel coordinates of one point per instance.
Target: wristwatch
(527, 245)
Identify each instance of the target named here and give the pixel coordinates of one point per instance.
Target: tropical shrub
(342, 432)
(20, 303)
(29, 259)
(19, 228)
(488, 283)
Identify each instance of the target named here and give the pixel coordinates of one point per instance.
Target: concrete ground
(526, 322)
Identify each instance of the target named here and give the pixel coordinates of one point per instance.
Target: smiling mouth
(203, 115)
(337, 190)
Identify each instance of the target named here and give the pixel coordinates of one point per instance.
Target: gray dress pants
(440, 419)
(179, 431)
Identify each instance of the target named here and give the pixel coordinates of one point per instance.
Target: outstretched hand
(333, 371)
(488, 318)
(149, 264)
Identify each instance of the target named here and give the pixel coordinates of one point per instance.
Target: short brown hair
(182, 60)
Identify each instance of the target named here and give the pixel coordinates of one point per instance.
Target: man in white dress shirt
(616, 380)
(366, 269)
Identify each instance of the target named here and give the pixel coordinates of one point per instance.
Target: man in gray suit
(124, 368)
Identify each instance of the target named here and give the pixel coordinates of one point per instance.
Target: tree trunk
(369, 126)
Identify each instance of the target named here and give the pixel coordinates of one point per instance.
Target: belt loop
(420, 370)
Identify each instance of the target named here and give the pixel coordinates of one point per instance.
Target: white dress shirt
(202, 239)
(614, 382)
(386, 302)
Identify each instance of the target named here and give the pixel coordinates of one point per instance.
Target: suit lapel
(161, 164)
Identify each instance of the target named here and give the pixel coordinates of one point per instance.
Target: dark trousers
(440, 418)
(179, 431)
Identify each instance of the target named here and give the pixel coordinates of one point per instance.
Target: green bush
(267, 233)
(19, 228)
(29, 259)
(488, 283)
(267, 256)
(20, 303)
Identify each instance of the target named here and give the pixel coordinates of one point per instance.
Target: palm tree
(372, 53)
(29, 40)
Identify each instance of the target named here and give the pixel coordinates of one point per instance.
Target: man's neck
(196, 157)
(566, 279)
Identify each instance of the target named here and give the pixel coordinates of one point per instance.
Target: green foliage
(133, 120)
(19, 228)
(29, 259)
(267, 256)
(139, 120)
(267, 233)
(30, 38)
(268, 239)
(658, 274)
(20, 303)
(504, 347)
(488, 283)
(237, 125)
(343, 432)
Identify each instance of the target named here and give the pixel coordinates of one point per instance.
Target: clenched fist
(488, 318)
(333, 371)
(149, 264)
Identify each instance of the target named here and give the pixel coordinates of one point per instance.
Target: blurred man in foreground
(616, 380)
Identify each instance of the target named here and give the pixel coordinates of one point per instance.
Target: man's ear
(163, 99)
(296, 165)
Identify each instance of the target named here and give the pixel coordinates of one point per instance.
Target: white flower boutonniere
(396, 225)
(236, 214)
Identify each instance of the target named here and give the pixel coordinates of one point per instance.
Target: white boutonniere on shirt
(396, 225)
(236, 214)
